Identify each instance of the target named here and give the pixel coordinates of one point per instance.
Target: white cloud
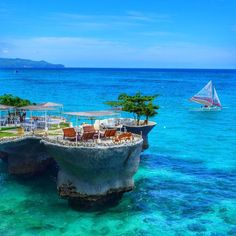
(136, 15)
(73, 51)
(161, 33)
(129, 15)
(4, 48)
(93, 52)
(5, 51)
(186, 54)
(101, 21)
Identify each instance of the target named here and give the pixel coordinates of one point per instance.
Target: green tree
(10, 100)
(140, 105)
(150, 110)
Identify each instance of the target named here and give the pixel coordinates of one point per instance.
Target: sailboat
(207, 97)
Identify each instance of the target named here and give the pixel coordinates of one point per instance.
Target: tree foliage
(10, 100)
(140, 105)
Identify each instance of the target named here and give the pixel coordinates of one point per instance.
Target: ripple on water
(171, 195)
(185, 199)
(174, 195)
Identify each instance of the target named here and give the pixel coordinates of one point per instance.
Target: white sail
(204, 96)
(216, 100)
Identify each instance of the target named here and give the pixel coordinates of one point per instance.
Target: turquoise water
(186, 183)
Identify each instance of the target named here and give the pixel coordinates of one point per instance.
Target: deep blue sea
(186, 182)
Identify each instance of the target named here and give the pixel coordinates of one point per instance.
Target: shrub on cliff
(140, 105)
(10, 100)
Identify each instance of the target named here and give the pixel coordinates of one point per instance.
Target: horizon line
(131, 68)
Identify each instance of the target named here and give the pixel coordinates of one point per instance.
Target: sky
(121, 33)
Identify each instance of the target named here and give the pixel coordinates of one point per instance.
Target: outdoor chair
(3, 121)
(89, 129)
(35, 118)
(87, 136)
(28, 126)
(124, 136)
(109, 133)
(69, 133)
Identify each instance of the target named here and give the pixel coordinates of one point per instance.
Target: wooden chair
(109, 133)
(87, 136)
(89, 129)
(112, 133)
(124, 136)
(69, 133)
(34, 118)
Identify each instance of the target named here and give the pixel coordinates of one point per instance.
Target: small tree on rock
(140, 105)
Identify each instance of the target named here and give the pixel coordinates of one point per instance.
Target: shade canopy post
(37, 108)
(76, 138)
(31, 121)
(90, 114)
(4, 108)
(45, 121)
(0, 120)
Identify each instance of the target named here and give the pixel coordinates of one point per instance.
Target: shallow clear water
(186, 183)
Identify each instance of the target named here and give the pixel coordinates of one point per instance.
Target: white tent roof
(5, 107)
(35, 108)
(50, 104)
(91, 113)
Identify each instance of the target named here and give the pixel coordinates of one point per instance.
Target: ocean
(186, 182)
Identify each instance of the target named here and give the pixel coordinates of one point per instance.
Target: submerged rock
(196, 227)
(232, 231)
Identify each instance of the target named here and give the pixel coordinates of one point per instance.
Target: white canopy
(5, 107)
(50, 104)
(91, 113)
(35, 108)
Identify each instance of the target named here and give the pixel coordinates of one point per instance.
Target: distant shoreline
(19, 63)
(114, 68)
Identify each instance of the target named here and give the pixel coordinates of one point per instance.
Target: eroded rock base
(91, 202)
(29, 166)
(26, 157)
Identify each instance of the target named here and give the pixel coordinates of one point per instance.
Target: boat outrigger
(207, 97)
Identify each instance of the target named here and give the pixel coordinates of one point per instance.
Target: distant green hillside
(25, 63)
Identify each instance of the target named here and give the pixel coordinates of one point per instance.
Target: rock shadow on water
(42, 182)
(100, 205)
(45, 229)
(43, 186)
